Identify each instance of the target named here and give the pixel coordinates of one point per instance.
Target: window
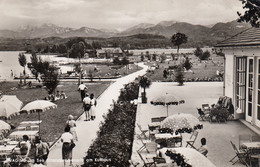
(240, 83)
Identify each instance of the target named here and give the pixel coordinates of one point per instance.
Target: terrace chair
(143, 131)
(243, 139)
(149, 146)
(240, 154)
(192, 139)
(202, 116)
(147, 161)
(144, 144)
(205, 107)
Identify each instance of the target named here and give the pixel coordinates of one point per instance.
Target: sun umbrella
(166, 100)
(4, 126)
(9, 105)
(39, 105)
(181, 123)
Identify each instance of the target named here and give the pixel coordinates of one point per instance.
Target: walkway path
(86, 130)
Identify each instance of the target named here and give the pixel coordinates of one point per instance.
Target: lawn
(199, 71)
(53, 120)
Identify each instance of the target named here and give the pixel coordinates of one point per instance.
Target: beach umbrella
(9, 105)
(4, 125)
(166, 100)
(39, 105)
(182, 122)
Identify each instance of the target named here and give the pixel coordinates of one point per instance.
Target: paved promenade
(86, 130)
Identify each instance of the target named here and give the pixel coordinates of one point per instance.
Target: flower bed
(113, 146)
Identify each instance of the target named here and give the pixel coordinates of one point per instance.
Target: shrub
(113, 145)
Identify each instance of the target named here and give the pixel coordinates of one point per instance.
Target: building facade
(242, 73)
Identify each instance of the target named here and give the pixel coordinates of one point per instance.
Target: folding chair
(193, 138)
(145, 145)
(202, 116)
(147, 161)
(243, 139)
(143, 131)
(205, 107)
(240, 154)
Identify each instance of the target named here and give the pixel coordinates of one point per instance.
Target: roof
(249, 37)
(110, 50)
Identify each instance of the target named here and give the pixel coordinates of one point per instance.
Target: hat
(70, 117)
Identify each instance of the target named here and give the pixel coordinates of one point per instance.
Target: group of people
(24, 147)
(57, 96)
(89, 102)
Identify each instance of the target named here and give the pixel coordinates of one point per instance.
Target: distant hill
(198, 35)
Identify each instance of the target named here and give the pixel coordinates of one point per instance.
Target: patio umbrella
(4, 125)
(181, 123)
(9, 105)
(166, 100)
(39, 105)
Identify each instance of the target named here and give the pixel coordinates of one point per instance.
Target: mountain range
(198, 34)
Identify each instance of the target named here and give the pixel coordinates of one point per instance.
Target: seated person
(57, 95)
(24, 147)
(203, 148)
(63, 95)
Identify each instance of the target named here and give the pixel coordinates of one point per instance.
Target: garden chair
(243, 139)
(202, 115)
(147, 161)
(205, 107)
(148, 145)
(143, 131)
(193, 138)
(240, 154)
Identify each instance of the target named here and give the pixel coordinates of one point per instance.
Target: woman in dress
(93, 103)
(67, 140)
(72, 124)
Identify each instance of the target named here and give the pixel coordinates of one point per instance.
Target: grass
(53, 120)
(199, 69)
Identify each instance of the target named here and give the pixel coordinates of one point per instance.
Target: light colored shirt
(203, 150)
(86, 100)
(82, 87)
(66, 137)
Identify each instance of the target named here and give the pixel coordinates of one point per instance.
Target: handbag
(72, 145)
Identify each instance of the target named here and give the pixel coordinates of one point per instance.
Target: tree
(187, 64)
(23, 62)
(144, 82)
(142, 56)
(198, 52)
(148, 56)
(51, 78)
(116, 61)
(251, 13)
(178, 39)
(163, 58)
(125, 61)
(154, 57)
(205, 55)
(179, 76)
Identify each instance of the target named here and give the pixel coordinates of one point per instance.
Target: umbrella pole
(39, 118)
(167, 110)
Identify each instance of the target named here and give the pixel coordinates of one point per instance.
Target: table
(252, 147)
(31, 122)
(193, 157)
(19, 134)
(6, 149)
(168, 139)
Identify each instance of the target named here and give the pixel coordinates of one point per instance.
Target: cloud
(115, 13)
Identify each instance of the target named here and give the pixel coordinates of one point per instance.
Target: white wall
(229, 75)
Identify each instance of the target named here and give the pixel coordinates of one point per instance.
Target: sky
(114, 14)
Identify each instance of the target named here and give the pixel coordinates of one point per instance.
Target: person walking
(93, 106)
(72, 124)
(67, 146)
(87, 106)
(82, 88)
(42, 151)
